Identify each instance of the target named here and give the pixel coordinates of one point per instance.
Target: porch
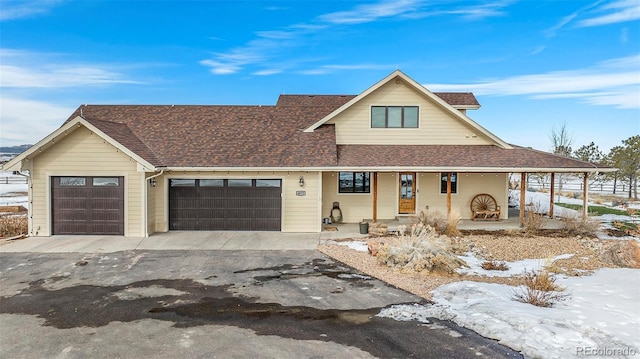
(352, 230)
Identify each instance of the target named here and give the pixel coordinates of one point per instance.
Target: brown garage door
(225, 204)
(88, 205)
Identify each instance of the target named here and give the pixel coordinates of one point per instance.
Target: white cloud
(40, 118)
(21, 69)
(614, 82)
(17, 9)
(371, 12)
(268, 44)
(615, 12)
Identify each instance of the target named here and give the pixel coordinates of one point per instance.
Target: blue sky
(533, 65)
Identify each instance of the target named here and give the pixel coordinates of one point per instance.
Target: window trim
(453, 182)
(353, 173)
(386, 117)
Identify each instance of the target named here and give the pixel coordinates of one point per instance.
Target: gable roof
(399, 75)
(75, 123)
(218, 136)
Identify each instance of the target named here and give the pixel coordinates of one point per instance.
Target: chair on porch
(484, 206)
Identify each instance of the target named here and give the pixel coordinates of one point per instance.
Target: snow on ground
(601, 318)
(8, 192)
(514, 268)
(355, 245)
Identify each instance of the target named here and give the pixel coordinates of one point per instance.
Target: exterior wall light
(301, 181)
(152, 182)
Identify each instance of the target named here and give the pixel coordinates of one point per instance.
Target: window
(239, 183)
(73, 181)
(443, 182)
(183, 183)
(353, 182)
(267, 183)
(211, 183)
(394, 116)
(106, 181)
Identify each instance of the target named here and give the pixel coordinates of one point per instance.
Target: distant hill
(14, 149)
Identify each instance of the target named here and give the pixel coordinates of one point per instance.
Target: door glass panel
(267, 183)
(73, 181)
(239, 183)
(106, 181)
(211, 183)
(183, 183)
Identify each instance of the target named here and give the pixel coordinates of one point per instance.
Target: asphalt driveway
(211, 304)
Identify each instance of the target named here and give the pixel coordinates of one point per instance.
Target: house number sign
(301, 193)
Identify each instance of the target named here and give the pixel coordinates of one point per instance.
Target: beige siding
(151, 206)
(436, 125)
(356, 207)
(299, 213)
(469, 185)
(82, 153)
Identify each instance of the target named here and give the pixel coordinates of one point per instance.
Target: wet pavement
(212, 304)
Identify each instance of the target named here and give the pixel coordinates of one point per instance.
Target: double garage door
(225, 204)
(88, 205)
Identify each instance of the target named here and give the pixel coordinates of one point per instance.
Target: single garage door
(88, 205)
(225, 204)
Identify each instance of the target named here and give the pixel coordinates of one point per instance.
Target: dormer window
(394, 116)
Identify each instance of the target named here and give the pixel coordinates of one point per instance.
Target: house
(393, 150)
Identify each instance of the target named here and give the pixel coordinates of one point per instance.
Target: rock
(624, 254)
(373, 247)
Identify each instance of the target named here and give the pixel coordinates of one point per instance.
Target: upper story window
(394, 116)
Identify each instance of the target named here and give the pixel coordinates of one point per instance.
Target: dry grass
(578, 225)
(421, 249)
(11, 226)
(533, 221)
(540, 289)
(495, 265)
(439, 221)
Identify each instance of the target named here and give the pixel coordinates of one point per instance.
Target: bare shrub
(13, 226)
(576, 224)
(453, 220)
(532, 219)
(432, 218)
(439, 221)
(420, 249)
(495, 265)
(540, 289)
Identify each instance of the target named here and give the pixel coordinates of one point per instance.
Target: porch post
(448, 194)
(585, 196)
(375, 197)
(523, 190)
(552, 193)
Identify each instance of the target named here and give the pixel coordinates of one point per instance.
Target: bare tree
(561, 142)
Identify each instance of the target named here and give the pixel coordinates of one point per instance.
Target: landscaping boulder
(624, 254)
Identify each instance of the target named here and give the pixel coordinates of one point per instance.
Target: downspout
(29, 204)
(146, 201)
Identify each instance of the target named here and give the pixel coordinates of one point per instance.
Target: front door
(407, 192)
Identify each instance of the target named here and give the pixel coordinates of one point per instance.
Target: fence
(13, 180)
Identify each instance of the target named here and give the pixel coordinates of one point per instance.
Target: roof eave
(70, 126)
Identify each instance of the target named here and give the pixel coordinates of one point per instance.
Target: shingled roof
(456, 158)
(217, 136)
(273, 137)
